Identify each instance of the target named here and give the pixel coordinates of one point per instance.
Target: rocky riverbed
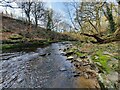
(97, 65)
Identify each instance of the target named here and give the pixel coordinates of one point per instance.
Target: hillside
(17, 34)
(14, 26)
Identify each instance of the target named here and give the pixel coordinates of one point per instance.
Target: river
(43, 68)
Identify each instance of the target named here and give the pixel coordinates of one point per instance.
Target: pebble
(1, 80)
(76, 74)
(20, 80)
(82, 57)
(79, 60)
(63, 69)
(96, 57)
(60, 49)
(107, 53)
(48, 54)
(86, 76)
(63, 53)
(0, 86)
(98, 63)
(14, 77)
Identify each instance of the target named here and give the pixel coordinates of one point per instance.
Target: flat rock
(63, 53)
(113, 76)
(3, 71)
(107, 53)
(114, 59)
(63, 69)
(76, 75)
(43, 54)
(97, 63)
(79, 60)
(82, 57)
(14, 76)
(70, 58)
(69, 53)
(48, 54)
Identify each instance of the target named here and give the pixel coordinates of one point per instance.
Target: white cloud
(13, 4)
(15, 11)
(48, 0)
(2, 9)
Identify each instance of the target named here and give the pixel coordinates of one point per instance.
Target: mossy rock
(5, 30)
(102, 59)
(15, 36)
(6, 46)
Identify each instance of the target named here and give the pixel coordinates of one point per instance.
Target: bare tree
(88, 13)
(57, 19)
(84, 12)
(26, 6)
(38, 11)
(70, 14)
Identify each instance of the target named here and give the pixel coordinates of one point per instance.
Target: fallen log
(102, 41)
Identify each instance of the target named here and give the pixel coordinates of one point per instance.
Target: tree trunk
(36, 21)
(102, 41)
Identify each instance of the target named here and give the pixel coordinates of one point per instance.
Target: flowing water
(43, 68)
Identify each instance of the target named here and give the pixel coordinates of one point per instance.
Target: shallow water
(43, 68)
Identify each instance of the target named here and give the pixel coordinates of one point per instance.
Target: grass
(6, 46)
(102, 59)
(20, 45)
(80, 54)
(15, 36)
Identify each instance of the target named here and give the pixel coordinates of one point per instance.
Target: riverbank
(96, 64)
(26, 45)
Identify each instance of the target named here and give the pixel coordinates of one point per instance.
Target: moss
(15, 36)
(117, 57)
(5, 30)
(102, 59)
(6, 46)
(28, 45)
(11, 41)
(80, 54)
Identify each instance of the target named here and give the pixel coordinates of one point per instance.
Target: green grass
(15, 36)
(80, 54)
(29, 44)
(6, 46)
(102, 59)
